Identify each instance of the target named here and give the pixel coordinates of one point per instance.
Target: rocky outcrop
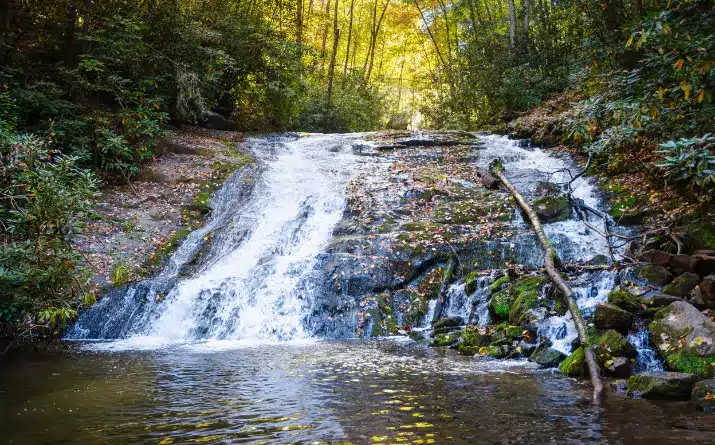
(703, 295)
(547, 357)
(703, 395)
(685, 337)
(661, 385)
(614, 353)
(608, 316)
(574, 364)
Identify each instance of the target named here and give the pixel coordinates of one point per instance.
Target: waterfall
(646, 359)
(255, 282)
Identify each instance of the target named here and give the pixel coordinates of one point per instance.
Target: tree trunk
(512, 24)
(70, 32)
(299, 22)
(549, 264)
(611, 15)
(526, 19)
(637, 10)
(350, 35)
(333, 57)
(85, 24)
(325, 28)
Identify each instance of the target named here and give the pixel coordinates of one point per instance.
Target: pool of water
(378, 391)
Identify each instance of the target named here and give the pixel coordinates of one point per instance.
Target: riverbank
(135, 227)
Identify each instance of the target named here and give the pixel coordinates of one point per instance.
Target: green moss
(688, 360)
(494, 351)
(554, 208)
(499, 282)
(472, 337)
(500, 303)
(527, 291)
(572, 365)
(626, 300)
(700, 234)
(513, 332)
(471, 282)
(442, 340)
(611, 344)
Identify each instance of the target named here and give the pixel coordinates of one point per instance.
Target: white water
(258, 287)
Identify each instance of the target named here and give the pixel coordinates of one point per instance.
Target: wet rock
(472, 337)
(614, 353)
(552, 209)
(574, 364)
(662, 300)
(547, 357)
(704, 294)
(685, 337)
(703, 395)
(657, 257)
(488, 180)
(600, 260)
(682, 285)
(545, 188)
(683, 263)
(661, 385)
(654, 274)
(447, 322)
(442, 340)
(608, 316)
(625, 300)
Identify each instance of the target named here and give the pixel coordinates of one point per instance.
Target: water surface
(373, 391)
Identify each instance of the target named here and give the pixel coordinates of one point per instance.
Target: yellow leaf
(661, 92)
(686, 89)
(630, 41)
(679, 64)
(701, 96)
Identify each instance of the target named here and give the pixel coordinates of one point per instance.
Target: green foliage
(690, 161)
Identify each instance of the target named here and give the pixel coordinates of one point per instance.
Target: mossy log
(553, 272)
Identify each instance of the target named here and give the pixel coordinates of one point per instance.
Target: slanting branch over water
(551, 269)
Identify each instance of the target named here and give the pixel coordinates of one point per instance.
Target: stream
(259, 327)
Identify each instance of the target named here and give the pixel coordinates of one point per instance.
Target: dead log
(551, 269)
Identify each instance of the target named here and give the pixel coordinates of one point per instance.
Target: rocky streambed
(407, 234)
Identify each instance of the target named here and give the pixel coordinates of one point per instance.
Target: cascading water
(574, 242)
(256, 281)
(646, 358)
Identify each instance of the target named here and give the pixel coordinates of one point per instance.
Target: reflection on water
(336, 392)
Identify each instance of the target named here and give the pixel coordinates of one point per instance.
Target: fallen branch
(550, 265)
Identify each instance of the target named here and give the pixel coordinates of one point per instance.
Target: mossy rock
(690, 361)
(661, 385)
(700, 234)
(443, 340)
(702, 396)
(654, 274)
(547, 357)
(552, 209)
(611, 345)
(499, 282)
(494, 351)
(608, 316)
(527, 291)
(468, 350)
(625, 300)
(624, 211)
(472, 337)
(500, 303)
(682, 285)
(573, 365)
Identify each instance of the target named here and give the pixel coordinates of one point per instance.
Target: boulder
(661, 385)
(682, 285)
(705, 264)
(657, 257)
(685, 337)
(447, 322)
(654, 274)
(573, 365)
(662, 300)
(608, 316)
(683, 263)
(547, 357)
(704, 294)
(472, 337)
(703, 395)
(445, 339)
(552, 209)
(614, 353)
(625, 300)
(519, 302)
